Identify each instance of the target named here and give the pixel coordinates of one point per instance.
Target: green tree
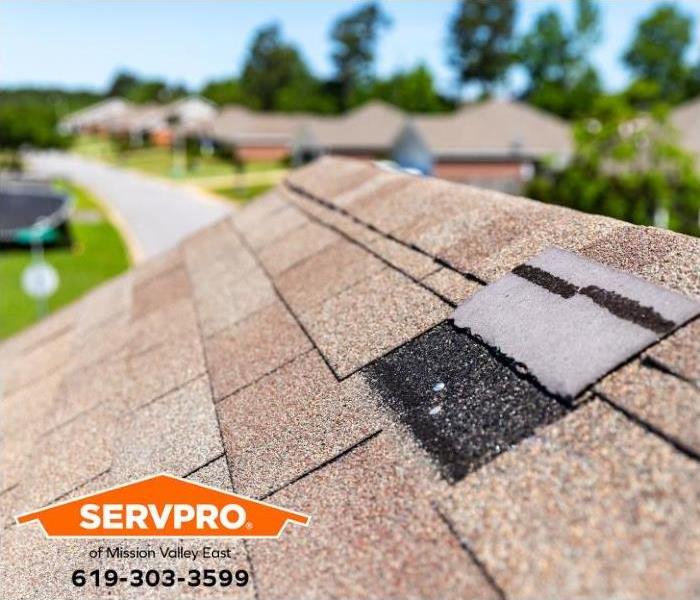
(480, 42)
(122, 84)
(223, 91)
(626, 165)
(128, 85)
(354, 38)
(30, 116)
(31, 124)
(555, 59)
(413, 91)
(658, 51)
(272, 65)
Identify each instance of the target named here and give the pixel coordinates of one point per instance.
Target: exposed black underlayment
(617, 304)
(463, 405)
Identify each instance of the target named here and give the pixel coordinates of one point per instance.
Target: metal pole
(38, 257)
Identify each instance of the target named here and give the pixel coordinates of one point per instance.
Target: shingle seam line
(208, 376)
(330, 206)
(286, 363)
(171, 390)
(325, 463)
(213, 396)
(651, 362)
(471, 554)
(381, 258)
(649, 428)
(47, 338)
(206, 464)
(283, 300)
(80, 485)
(256, 593)
(160, 274)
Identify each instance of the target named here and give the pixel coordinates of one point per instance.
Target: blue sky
(78, 43)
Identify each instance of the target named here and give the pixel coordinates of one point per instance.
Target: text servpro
(149, 516)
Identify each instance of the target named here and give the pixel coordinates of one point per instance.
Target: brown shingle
(403, 258)
(600, 504)
(370, 318)
(373, 534)
(176, 434)
(401, 207)
(86, 387)
(325, 274)
(664, 401)
(169, 324)
(559, 227)
(68, 457)
(451, 285)
(160, 289)
(681, 352)
(25, 415)
(346, 174)
(229, 297)
(292, 421)
(334, 219)
(594, 507)
(649, 252)
(291, 249)
(274, 226)
(159, 370)
(243, 353)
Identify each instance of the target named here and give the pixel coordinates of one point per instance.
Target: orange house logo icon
(163, 506)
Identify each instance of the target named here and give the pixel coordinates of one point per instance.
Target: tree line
(626, 164)
(482, 50)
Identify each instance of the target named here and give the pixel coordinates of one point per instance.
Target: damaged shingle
(571, 320)
(462, 403)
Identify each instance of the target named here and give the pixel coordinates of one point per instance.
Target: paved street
(153, 214)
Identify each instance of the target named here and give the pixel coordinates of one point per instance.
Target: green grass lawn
(97, 254)
(243, 194)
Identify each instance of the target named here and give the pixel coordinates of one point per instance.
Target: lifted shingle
(570, 320)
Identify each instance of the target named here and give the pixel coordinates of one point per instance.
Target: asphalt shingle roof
(301, 351)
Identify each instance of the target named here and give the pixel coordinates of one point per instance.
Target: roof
(302, 351)
(238, 125)
(495, 128)
(372, 126)
(686, 120)
(96, 114)
(135, 117)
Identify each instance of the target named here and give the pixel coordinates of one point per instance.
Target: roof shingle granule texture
(264, 353)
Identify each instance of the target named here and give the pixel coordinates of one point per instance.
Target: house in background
(365, 132)
(686, 120)
(133, 124)
(495, 144)
(95, 118)
(252, 136)
(159, 123)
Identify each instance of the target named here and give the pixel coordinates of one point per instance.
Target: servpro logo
(163, 506)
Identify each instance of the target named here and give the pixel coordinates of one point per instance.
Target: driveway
(154, 215)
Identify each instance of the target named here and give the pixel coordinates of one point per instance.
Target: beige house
(95, 118)
(253, 136)
(365, 132)
(494, 144)
(686, 120)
